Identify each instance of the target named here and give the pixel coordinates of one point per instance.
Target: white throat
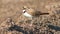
(27, 15)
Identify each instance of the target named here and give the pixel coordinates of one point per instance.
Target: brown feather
(34, 12)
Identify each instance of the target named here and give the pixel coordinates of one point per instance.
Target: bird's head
(24, 9)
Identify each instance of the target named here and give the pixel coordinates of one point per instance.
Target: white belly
(27, 15)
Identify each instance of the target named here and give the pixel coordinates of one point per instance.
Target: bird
(31, 13)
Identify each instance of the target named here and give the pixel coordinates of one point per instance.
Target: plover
(31, 13)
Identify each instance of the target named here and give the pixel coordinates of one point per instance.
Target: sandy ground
(44, 24)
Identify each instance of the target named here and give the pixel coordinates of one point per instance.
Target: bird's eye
(24, 11)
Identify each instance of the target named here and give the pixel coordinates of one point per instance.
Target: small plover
(30, 13)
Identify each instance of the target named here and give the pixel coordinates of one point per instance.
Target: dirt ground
(43, 24)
